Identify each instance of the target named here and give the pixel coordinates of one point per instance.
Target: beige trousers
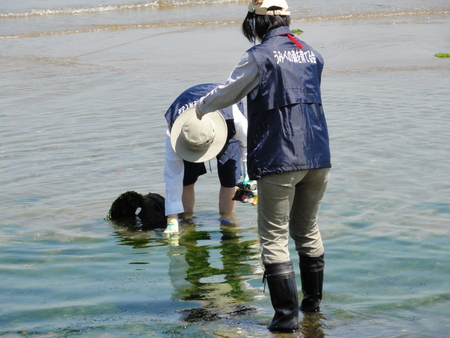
(288, 204)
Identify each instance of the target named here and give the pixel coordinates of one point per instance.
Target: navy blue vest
(188, 99)
(287, 126)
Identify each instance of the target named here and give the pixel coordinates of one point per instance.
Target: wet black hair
(263, 23)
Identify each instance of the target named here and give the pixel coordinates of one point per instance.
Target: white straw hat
(197, 140)
(260, 7)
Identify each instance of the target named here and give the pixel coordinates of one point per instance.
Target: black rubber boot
(284, 296)
(311, 272)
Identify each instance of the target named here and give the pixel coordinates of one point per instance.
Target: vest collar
(277, 31)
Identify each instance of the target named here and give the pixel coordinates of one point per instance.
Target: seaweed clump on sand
(136, 210)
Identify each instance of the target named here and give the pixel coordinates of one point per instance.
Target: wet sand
(205, 53)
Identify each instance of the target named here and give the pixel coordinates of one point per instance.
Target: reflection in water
(208, 267)
(311, 326)
(212, 268)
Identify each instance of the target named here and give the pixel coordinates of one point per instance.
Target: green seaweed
(442, 55)
(149, 209)
(297, 31)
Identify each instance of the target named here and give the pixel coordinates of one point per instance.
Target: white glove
(172, 226)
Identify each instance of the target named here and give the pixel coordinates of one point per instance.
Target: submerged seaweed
(210, 315)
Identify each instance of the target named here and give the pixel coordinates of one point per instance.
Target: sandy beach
(193, 54)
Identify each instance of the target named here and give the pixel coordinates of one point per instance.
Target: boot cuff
(279, 269)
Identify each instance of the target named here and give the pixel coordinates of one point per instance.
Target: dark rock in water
(136, 210)
(210, 315)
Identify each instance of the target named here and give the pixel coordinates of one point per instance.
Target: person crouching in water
(288, 152)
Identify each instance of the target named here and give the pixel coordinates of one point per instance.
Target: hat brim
(220, 137)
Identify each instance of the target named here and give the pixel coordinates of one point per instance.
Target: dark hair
(263, 23)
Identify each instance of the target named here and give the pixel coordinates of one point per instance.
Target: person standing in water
(288, 153)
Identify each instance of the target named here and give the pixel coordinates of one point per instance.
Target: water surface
(84, 89)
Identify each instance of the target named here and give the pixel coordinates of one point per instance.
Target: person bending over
(191, 142)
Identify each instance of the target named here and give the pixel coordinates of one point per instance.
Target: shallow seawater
(81, 122)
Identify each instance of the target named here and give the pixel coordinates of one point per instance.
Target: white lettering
(186, 106)
(295, 56)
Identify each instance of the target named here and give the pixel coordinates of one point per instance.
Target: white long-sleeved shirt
(174, 167)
